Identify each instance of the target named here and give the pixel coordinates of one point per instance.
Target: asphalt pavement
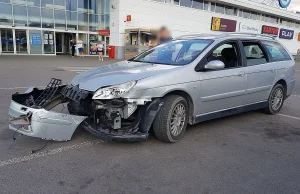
(247, 153)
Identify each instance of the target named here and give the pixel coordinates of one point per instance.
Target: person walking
(73, 45)
(100, 50)
(80, 46)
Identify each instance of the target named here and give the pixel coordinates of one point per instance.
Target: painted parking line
(22, 87)
(49, 152)
(289, 116)
(296, 95)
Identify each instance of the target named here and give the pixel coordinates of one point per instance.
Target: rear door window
(276, 51)
(254, 53)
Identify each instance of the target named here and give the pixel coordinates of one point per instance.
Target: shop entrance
(63, 42)
(7, 40)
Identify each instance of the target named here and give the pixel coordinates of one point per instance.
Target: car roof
(225, 36)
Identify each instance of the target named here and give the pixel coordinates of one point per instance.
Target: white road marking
(296, 96)
(49, 152)
(288, 116)
(22, 87)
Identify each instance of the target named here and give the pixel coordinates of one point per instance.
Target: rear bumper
(41, 123)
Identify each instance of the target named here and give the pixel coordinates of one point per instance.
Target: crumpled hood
(118, 73)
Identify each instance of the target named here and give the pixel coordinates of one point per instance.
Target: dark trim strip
(229, 112)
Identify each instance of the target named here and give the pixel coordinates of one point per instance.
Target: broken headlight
(113, 91)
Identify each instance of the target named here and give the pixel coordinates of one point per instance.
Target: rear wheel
(171, 121)
(276, 99)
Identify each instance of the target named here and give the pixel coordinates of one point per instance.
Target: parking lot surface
(247, 153)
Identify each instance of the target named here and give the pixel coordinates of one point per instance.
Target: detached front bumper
(41, 123)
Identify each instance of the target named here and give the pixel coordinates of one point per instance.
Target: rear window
(276, 51)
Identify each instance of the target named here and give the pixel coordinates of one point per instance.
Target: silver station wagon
(192, 79)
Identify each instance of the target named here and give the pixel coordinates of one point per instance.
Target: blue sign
(35, 38)
(284, 3)
(286, 34)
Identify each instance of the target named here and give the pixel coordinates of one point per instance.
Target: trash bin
(111, 52)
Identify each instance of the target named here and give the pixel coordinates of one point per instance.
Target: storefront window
(47, 3)
(83, 5)
(93, 6)
(34, 17)
(198, 4)
(71, 5)
(102, 22)
(5, 15)
(93, 44)
(47, 18)
(59, 4)
(60, 19)
(71, 20)
(21, 41)
(83, 22)
(7, 40)
(93, 24)
(20, 15)
(33, 3)
(107, 20)
(186, 3)
(83, 37)
(48, 42)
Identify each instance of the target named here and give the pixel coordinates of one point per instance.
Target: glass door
(7, 40)
(21, 41)
(106, 41)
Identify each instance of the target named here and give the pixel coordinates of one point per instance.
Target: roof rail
(248, 34)
(226, 35)
(194, 36)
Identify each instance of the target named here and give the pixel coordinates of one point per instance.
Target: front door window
(21, 41)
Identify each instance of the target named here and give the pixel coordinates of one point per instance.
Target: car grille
(74, 93)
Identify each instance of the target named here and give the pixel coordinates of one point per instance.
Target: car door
(223, 89)
(260, 72)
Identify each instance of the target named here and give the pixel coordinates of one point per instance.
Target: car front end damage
(37, 113)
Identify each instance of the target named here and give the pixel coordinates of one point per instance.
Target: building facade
(199, 16)
(47, 26)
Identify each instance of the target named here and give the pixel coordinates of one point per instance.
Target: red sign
(128, 18)
(269, 30)
(104, 32)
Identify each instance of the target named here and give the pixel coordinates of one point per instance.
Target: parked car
(189, 80)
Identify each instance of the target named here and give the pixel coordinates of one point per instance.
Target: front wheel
(276, 100)
(171, 121)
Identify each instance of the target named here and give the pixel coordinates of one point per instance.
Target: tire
(271, 108)
(163, 128)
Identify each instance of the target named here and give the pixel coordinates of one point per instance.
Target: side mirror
(215, 65)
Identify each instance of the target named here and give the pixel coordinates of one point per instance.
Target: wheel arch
(189, 100)
(284, 84)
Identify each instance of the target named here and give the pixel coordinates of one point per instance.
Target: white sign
(51, 42)
(251, 28)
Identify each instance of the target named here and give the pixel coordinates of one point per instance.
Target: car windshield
(179, 52)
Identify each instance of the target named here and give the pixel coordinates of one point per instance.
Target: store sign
(104, 32)
(251, 28)
(299, 36)
(223, 25)
(35, 39)
(284, 3)
(286, 34)
(269, 30)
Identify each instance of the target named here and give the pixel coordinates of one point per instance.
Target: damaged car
(189, 80)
